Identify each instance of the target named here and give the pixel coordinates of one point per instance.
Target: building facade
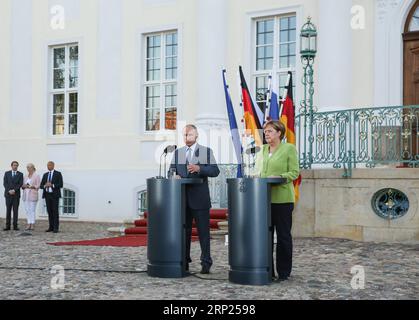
(102, 86)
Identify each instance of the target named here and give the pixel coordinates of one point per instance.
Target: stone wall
(335, 207)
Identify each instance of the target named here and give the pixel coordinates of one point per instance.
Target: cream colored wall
(107, 145)
(333, 207)
(138, 17)
(363, 58)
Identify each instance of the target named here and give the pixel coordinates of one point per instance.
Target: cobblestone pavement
(322, 270)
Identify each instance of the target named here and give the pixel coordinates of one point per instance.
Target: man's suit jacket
(11, 183)
(57, 181)
(197, 195)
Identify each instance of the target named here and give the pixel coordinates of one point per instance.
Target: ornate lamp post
(308, 50)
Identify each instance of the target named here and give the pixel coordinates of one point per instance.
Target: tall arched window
(412, 24)
(411, 83)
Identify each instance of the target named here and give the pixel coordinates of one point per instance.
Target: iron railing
(349, 138)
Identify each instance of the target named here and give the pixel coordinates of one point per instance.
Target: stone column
(334, 62)
(211, 114)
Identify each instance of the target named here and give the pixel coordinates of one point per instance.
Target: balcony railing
(350, 138)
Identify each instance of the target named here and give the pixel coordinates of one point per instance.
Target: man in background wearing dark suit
(196, 161)
(51, 183)
(12, 182)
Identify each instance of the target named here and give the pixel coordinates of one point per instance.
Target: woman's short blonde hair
(278, 126)
(31, 165)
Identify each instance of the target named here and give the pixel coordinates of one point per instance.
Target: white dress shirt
(52, 175)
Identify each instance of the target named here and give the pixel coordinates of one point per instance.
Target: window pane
(260, 27)
(268, 64)
(171, 59)
(292, 62)
(261, 88)
(58, 104)
(284, 36)
(59, 78)
(170, 118)
(153, 97)
(269, 38)
(72, 124)
(264, 32)
(59, 58)
(153, 52)
(73, 102)
(153, 70)
(260, 39)
(283, 62)
(74, 77)
(414, 24)
(283, 77)
(260, 53)
(291, 48)
(292, 22)
(283, 51)
(58, 125)
(284, 23)
(292, 35)
(74, 56)
(171, 95)
(269, 25)
(153, 41)
(264, 58)
(152, 119)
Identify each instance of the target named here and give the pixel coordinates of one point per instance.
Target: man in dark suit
(51, 183)
(12, 182)
(196, 161)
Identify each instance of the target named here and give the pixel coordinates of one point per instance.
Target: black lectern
(166, 227)
(250, 230)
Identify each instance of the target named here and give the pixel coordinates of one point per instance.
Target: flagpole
(268, 99)
(243, 135)
(285, 95)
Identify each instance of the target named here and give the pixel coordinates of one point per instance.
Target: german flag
(253, 125)
(288, 119)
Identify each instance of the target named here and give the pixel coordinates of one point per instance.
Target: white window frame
(44, 213)
(162, 82)
(66, 90)
(276, 50)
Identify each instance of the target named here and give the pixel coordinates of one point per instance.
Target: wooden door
(411, 86)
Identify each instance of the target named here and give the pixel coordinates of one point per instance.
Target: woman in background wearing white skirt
(30, 188)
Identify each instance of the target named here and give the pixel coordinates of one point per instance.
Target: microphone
(252, 150)
(168, 149)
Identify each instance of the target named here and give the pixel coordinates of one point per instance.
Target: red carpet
(216, 216)
(125, 241)
(137, 236)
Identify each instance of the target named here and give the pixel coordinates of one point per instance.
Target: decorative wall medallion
(390, 204)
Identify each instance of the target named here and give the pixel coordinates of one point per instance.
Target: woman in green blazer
(279, 159)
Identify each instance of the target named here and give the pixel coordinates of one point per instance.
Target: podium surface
(250, 230)
(166, 234)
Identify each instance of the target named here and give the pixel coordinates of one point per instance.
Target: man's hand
(12, 192)
(193, 168)
(48, 185)
(177, 177)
